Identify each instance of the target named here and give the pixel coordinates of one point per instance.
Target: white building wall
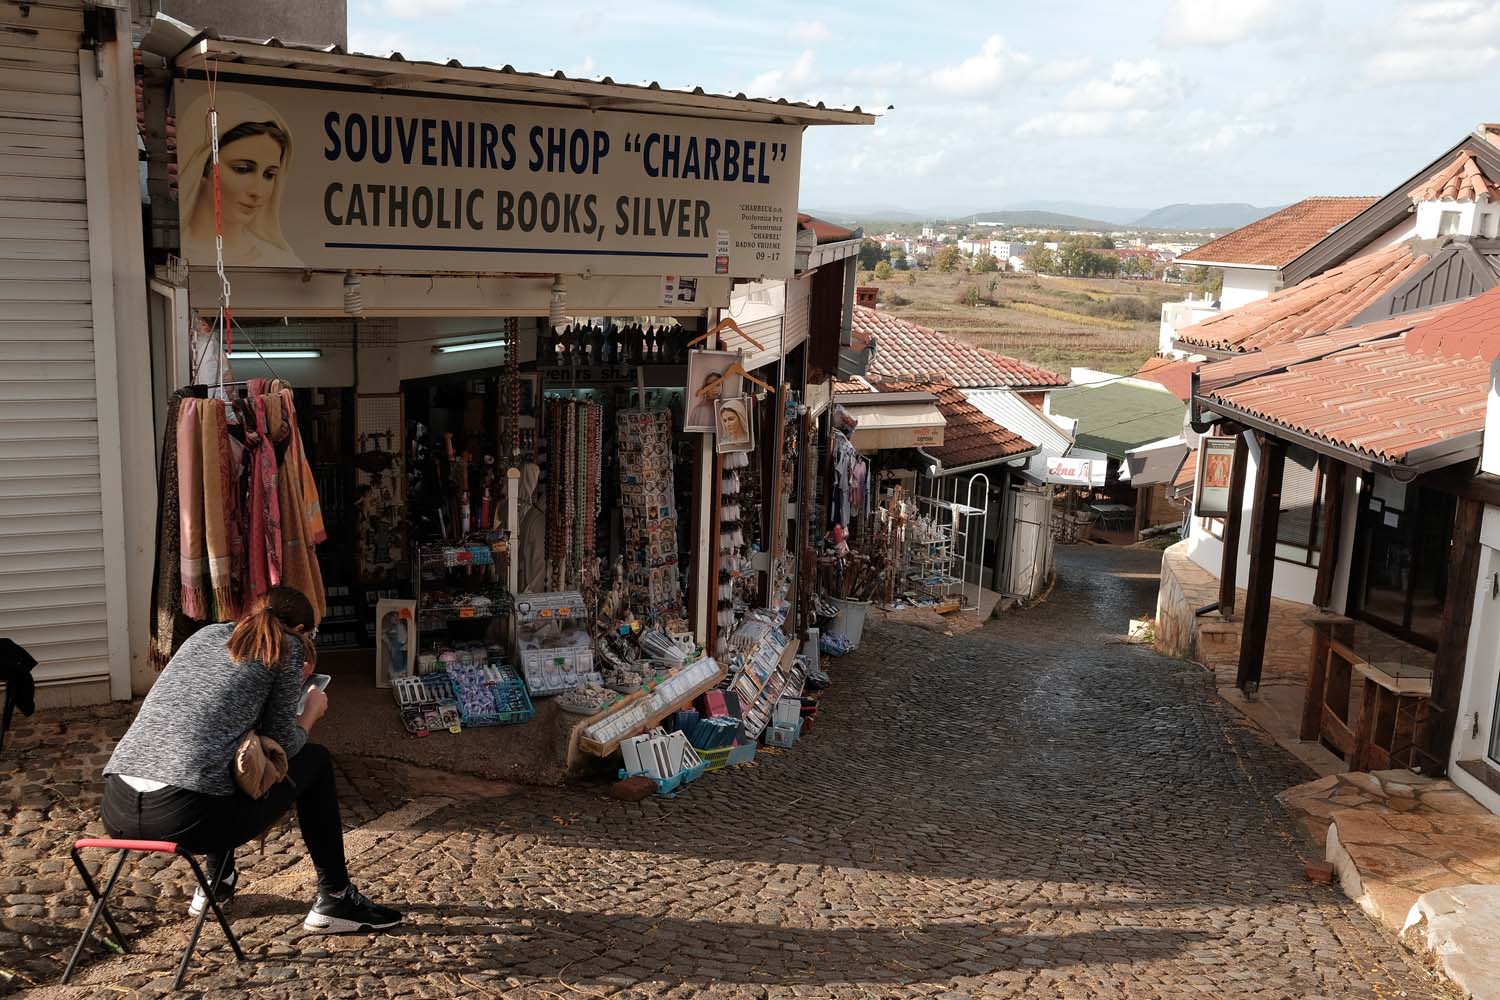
(1476, 707)
(1289, 582)
(1246, 284)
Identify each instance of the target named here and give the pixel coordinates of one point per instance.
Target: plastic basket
(668, 786)
(719, 758)
(499, 689)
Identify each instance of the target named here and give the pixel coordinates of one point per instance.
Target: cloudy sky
(1001, 102)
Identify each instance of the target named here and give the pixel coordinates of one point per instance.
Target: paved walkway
(1032, 810)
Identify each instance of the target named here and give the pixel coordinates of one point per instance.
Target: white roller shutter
(52, 577)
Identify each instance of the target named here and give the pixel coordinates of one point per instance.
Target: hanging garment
(300, 569)
(265, 508)
(216, 501)
(166, 591)
(192, 558)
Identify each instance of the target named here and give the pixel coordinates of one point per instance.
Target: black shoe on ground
(348, 914)
(224, 891)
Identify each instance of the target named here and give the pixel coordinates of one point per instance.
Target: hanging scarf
(217, 496)
(264, 539)
(166, 591)
(300, 569)
(191, 564)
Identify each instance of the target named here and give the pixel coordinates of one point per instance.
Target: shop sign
(1070, 471)
(1215, 465)
(603, 375)
(346, 180)
(927, 437)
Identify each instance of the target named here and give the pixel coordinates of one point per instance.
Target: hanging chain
(226, 334)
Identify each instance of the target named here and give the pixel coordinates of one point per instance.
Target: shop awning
(886, 420)
(1156, 462)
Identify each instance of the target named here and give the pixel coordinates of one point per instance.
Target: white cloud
(925, 164)
(1231, 134)
(587, 68)
(1144, 84)
(1198, 22)
(1063, 70)
(776, 82)
(1434, 40)
(1068, 124)
(994, 64)
(808, 33)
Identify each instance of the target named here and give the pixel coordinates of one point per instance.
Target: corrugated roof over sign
(170, 38)
(969, 438)
(1115, 417)
(1280, 237)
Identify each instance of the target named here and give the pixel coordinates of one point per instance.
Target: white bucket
(851, 620)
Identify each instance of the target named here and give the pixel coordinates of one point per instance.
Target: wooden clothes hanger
(727, 323)
(712, 385)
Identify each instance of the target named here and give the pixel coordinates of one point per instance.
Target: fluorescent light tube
(274, 355)
(471, 345)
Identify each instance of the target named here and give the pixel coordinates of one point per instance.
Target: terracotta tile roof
(825, 232)
(1461, 180)
(970, 437)
(1385, 397)
(1280, 237)
(1319, 304)
(1175, 374)
(1469, 330)
(904, 350)
(852, 384)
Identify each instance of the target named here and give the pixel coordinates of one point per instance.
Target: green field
(1104, 323)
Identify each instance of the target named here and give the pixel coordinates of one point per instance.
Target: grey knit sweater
(201, 706)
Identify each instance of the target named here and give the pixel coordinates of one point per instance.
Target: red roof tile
(904, 350)
(1383, 396)
(1182, 483)
(1461, 180)
(970, 437)
(1281, 237)
(1317, 305)
(1470, 330)
(1175, 374)
(824, 232)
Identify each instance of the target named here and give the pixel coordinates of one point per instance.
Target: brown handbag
(259, 764)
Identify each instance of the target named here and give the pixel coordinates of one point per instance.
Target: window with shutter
(1301, 505)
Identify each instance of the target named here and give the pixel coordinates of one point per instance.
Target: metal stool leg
(213, 901)
(99, 907)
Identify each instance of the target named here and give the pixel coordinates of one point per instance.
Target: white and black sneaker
(348, 914)
(223, 890)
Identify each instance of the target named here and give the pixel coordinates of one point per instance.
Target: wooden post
(1453, 641)
(1317, 675)
(1329, 536)
(1229, 567)
(1265, 516)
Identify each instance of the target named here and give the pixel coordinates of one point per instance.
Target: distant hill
(1082, 209)
(1033, 219)
(1221, 217)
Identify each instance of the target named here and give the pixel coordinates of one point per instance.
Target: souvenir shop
(530, 497)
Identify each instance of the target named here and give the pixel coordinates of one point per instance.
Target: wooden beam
(1330, 535)
(1265, 516)
(1453, 639)
(1229, 567)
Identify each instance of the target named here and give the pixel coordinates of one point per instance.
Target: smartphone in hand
(319, 681)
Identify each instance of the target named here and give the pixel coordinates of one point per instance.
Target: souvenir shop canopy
(889, 420)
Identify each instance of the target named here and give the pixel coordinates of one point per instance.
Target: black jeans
(215, 825)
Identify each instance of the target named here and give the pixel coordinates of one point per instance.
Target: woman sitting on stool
(172, 775)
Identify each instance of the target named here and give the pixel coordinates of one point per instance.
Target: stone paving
(1031, 810)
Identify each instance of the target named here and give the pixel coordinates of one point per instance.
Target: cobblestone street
(1031, 810)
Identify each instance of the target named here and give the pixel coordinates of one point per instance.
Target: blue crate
(668, 786)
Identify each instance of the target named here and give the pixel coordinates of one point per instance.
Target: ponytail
(261, 634)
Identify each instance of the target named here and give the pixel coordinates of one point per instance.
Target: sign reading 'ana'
(314, 178)
(1070, 471)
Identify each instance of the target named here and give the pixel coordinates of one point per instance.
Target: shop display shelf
(668, 786)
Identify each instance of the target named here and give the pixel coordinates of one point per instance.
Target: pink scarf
(192, 557)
